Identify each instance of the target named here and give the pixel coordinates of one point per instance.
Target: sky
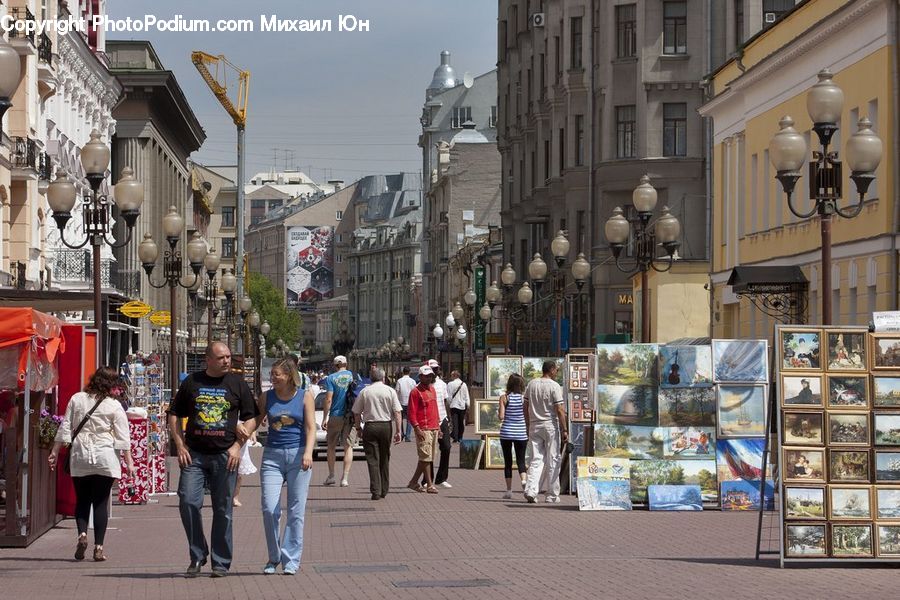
(337, 105)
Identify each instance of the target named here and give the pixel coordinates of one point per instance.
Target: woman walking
(287, 460)
(96, 427)
(513, 430)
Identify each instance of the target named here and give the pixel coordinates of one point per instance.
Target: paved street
(467, 542)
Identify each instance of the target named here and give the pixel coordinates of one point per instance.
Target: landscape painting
(470, 453)
(803, 464)
(681, 407)
(740, 361)
(848, 429)
(744, 495)
(887, 466)
(848, 392)
(889, 540)
(493, 453)
(804, 502)
(804, 541)
(627, 405)
(886, 391)
(627, 364)
(533, 368)
(689, 443)
(887, 503)
(886, 352)
(802, 391)
(594, 494)
(803, 428)
(739, 459)
(685, 366)
(887, 429)
(626, 441)
(848, 465)
(847, 351)
(487, 417)
(604, 469)
(800, 349)
(851, 540)
(499, 368)
(850, 502)
(742, 410)
(673, 472)
(675, 497)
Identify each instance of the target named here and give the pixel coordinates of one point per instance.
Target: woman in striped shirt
(513, 430)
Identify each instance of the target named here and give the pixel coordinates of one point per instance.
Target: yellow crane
(218, 80)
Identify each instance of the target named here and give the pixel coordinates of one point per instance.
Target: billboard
(309, 264)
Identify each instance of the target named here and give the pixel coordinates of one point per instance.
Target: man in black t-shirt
(209, 450)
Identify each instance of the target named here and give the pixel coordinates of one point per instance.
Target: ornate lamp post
(148, 252)
(229, 284)
(211, 291)
(508, 280)
(787, 150)
(581, 271)
(128, 196)
(647, 235)
(10, 75)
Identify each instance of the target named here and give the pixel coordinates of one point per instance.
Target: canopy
(29, 334)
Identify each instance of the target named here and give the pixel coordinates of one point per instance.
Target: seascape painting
(682, 407)
(800, 349)
(470, 453)
(498, 370)
(850, 502)
(487, 417)
(685, 366)
(804, 540)
(887, 466)
(804, 502)
(742, 410)
(627, 364)
(801, 391)
(886, 391)
(887, 429)
(739, 459)
(740, 361)
(627, 405)
(626, 441)
(887, 503)
(744, 495)
(594, 494)
(847, 351)
(689, 443)
(604, 469)
(675, 497)
(851, 540)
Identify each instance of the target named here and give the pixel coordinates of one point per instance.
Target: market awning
(766, 279)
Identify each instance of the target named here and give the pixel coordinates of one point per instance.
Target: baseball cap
(425, 370)
(433, 363)
(340, 359)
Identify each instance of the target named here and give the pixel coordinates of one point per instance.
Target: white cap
(434, 364)
(425, 370)
(340, 359)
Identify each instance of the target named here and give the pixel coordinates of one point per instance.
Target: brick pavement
(465, 536)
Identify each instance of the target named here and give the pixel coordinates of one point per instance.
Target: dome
(469, 135)
(444, 76)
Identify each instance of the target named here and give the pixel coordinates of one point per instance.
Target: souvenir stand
(30, 342)
(147, 426)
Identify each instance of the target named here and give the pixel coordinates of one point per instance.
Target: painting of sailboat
(742, 410)
(740, 361)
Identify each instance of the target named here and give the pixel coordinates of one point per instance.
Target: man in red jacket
(423, 416)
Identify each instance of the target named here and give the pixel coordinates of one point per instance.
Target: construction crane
(237, 110)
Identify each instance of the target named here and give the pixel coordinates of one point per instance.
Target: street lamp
(537, 272)
(10, 75)
(211, 265)
(229, 285)
(148, 252)
(508, 280)
(787, 150)
(128, 195)
(647, 235)
(581, 271)
(458, 312)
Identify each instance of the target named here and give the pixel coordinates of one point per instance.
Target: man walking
(376, 408)
(458, 392)
(404, 386)
(209, 451)
(336, 423)
(547, 430)
(423, 415)
(444, 441)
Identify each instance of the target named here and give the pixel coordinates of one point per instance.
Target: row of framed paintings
(617, 495)
(805, 465)
(838, 502)
(841, 540)
(848, 392)
(846, 350)
(815, 428)
(473, 450)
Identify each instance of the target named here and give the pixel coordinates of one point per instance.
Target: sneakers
(530, 499)
(552, 499)
(218, 572)
(329, 480)
(269, 569)
(194, 568)
(344, 482)
(507, 495)
(290, 570)
(445, 484)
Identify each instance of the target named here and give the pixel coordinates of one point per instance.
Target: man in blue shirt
(337, 421)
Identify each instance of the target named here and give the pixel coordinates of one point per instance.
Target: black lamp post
(647, 235)
(788, 152)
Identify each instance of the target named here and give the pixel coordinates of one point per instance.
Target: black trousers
(376, 441)
(444, 444)
(92, 491)
(458, 418)
(507, 447)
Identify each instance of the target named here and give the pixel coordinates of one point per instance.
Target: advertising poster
(310, 264)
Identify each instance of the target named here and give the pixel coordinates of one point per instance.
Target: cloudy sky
(337, 105)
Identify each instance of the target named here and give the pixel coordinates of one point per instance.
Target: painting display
(889, 541)
(885, 350)
(886, 392)
(803, 465)
(689, 443)
(850, 502)
(802, 391)
(627, 364)
(595, 494)
(806, 541)
(851, 540)
(625, 441)
(848, 465)
(887, 466)
(887, 503)
(799, 349)
(675, 497)
(803, 428)
(741, 410)
(848, 429)
(887, 429)
(701, 473)
(309, 264)
(470, 453)
(498, 369)
(848, 392)
(627, 405)
(740, 361)
(804, 502)
(847, 351)
(487, 417)
(493, 453)
(685, 366)
(744, 495)
(687, 406)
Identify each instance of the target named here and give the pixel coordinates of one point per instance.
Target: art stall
(30, 344)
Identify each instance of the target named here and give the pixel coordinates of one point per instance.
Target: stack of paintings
(603, 483)
(839, 442)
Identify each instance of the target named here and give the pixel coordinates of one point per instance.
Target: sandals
(432, 490)
(416, 487)
(98, 554)
(81, 547)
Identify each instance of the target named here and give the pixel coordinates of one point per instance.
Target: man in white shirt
(547, 429)
(314, 385)
(376, 408)
(458, 394)
(404, 386)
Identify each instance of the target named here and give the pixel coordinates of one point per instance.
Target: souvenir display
(147, 427)
(581, 407)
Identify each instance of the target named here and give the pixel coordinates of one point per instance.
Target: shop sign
(163, 318)
(136, 309)
(623, 299)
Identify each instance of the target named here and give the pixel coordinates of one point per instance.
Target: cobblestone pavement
(466, 542)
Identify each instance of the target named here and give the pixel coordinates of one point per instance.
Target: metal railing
(44, 166)
(75, 265)
(21, 14)
(45, 49)
(25, 153)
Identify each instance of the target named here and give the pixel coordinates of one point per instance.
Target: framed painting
(493, 453)
(607, 469)
(848, 429)
(744, 495)
(802, 391)
(887, 503)
(487, 417)
(888, 540)
(803, 428)
(627, 405)
(851, 541)
(596, 494)
(848, 392)
(739, 458)
(627, 364)
(498, 370)
(684, 407)
(685, 366)
(804, 502)
(740, 361)
(741, 410)
(675, 497)
(799, 349)
(846, 351)
(579, 376)
(804, 541)
(470, 451)
(626, 441)
(850, 502)
(887, 466)
(687, 443)
(885, 351)
(886, 392)
(801, 465)
(887, 428)
(848, 465)
(533, 368)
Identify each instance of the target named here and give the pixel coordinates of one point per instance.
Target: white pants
(543, 445)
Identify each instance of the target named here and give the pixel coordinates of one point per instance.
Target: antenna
(468, 80)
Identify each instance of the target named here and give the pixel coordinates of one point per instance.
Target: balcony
(45, 67)
(24, 159)
(74, 270)
(45, 49)
(24, 43)
(44, 167)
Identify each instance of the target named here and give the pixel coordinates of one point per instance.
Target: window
(340, 237)
(256, 219)
(626, 31)
(773, 9)
(543, 77)
(625, 139)
(338, 283)
(576, 39)
(579, 140)
(546, 159)
(227, 247)
(339, 258)
(562, 150)
(675, 27)
(273, 204)
(258, 204)
(493, 120)
(557, 46)
(675, 129)
(460, 115)
(228, 216)
(338, 215)
(738, 23)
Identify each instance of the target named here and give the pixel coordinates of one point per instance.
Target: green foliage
(269, 302)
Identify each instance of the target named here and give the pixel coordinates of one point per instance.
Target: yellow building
(752, 224)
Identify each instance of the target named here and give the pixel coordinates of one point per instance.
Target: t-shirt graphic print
(212, 411)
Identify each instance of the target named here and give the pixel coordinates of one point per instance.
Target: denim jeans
(282, 466)
(211, 468)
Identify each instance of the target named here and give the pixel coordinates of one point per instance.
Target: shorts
(426, 445)
(340, 428)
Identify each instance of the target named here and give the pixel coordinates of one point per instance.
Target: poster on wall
(309, 264)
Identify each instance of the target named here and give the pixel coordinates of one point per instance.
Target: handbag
(68, 461)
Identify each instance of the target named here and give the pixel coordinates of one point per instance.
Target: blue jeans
(210, 468)
(282, 466)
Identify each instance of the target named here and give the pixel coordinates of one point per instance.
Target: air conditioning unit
(770, 17)
(537, 20)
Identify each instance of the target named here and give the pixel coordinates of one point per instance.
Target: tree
(269, 303)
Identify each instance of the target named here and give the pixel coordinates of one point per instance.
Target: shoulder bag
(68, 461)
